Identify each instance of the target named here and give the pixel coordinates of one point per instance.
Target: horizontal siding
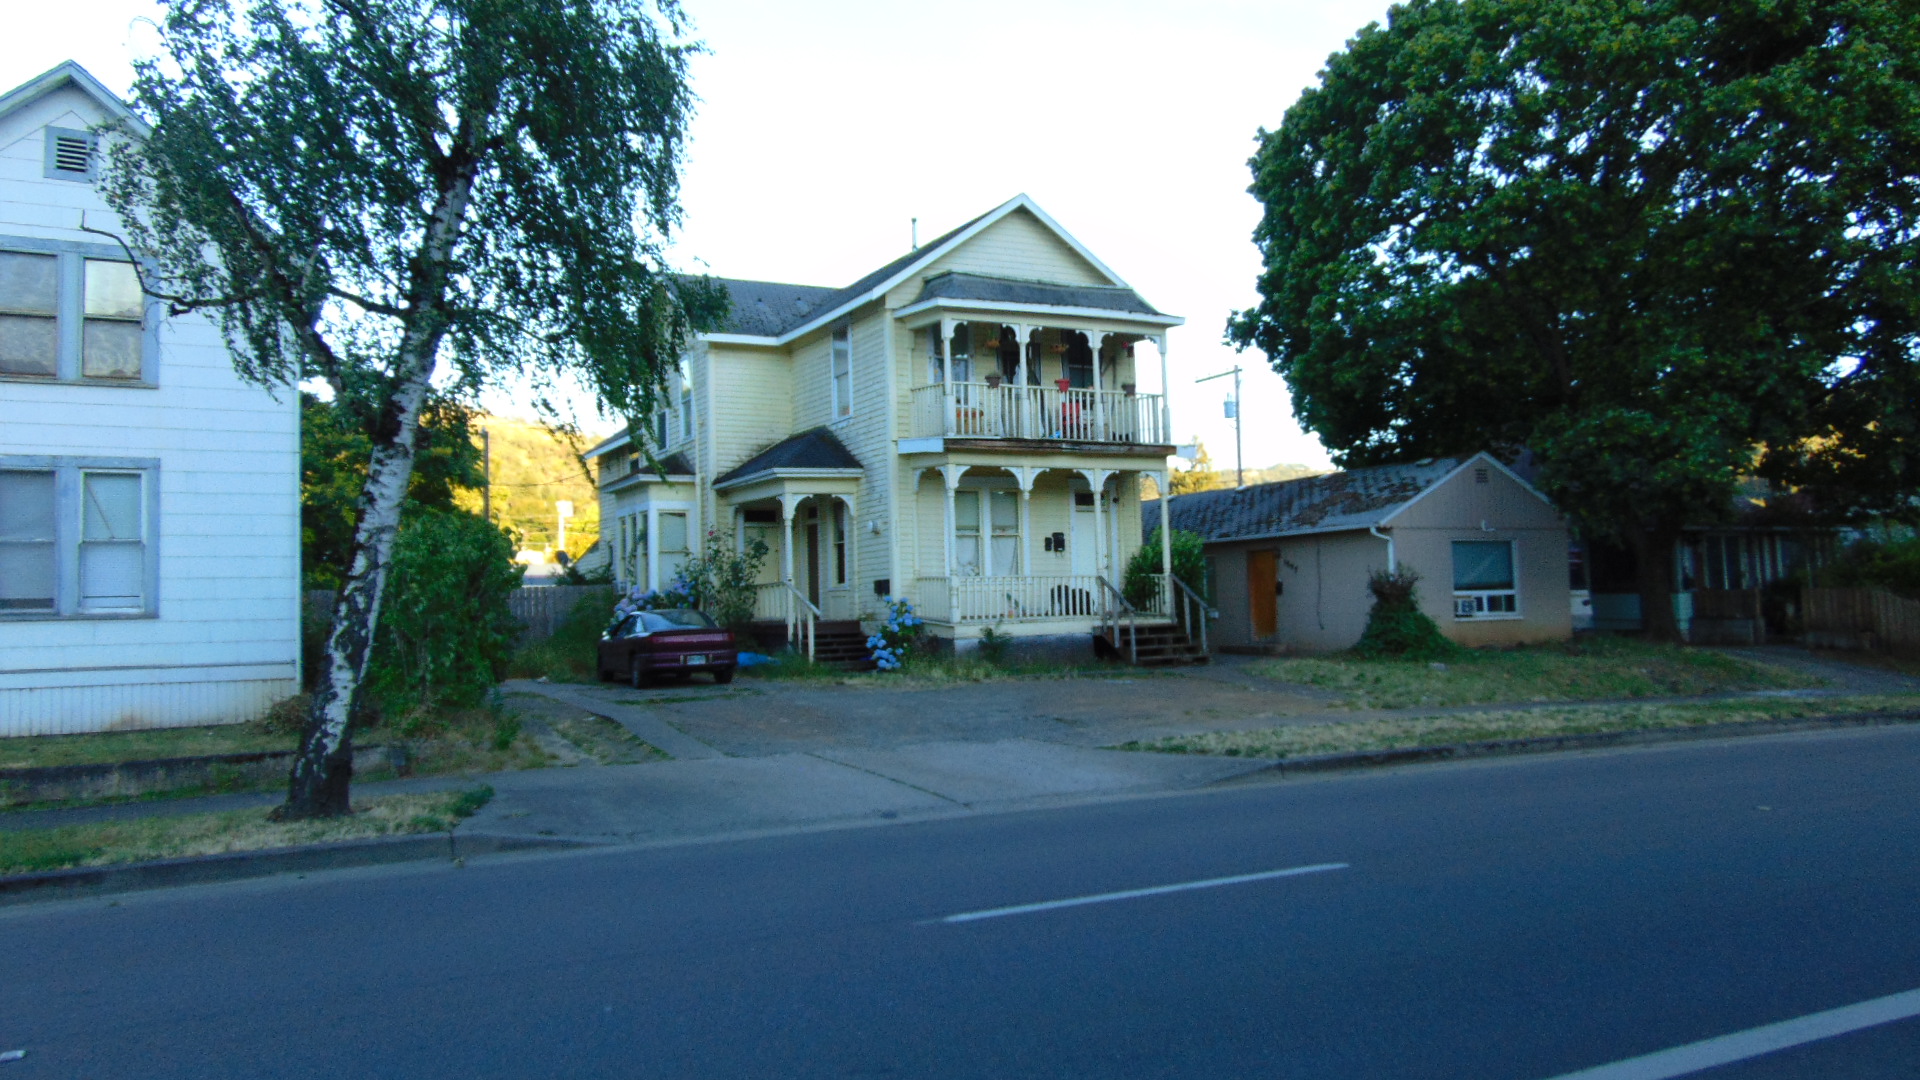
(1016, 246)
(752, 404)
(72, 710)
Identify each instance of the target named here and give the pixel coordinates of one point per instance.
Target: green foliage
(445, 629)
(1891, 563)
(720, 580)
(993, 646)
(1662, 243)
(1189, 565)
(1396, 627)
(334, 449)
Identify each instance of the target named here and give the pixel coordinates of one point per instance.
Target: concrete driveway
(770, 755)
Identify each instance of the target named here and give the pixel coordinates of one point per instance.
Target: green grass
(606, 741)
(1585, 670)
(32, 751)
(1388, 733)
(142, 839)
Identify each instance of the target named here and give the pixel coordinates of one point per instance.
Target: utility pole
(486, 473)
(1233, 413)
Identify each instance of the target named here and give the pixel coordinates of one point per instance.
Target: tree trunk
(323, 769)
(1653, 567)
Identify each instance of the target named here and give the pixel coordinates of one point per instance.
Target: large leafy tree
(394, 195)
(1662, 243)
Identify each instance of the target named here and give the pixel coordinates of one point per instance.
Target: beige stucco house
(966, 427)
(1289, 562)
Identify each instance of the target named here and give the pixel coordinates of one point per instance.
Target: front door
(1262, 575)
(1084, 553)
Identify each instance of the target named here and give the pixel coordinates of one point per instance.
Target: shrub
(572, 652)
(720, 580)
(1396, 627)
(898, 636)
(1189, 565)
(993, 646)
(445, 630)
(1889, 562)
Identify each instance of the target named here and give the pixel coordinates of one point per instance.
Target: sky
(823, 129)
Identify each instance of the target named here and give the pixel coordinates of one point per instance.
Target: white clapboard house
(149, 499)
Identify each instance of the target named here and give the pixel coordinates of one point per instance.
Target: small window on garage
(1483, 580)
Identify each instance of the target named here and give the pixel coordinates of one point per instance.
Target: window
(839, 543)
(674, 549)
(842, 361)
(1003, 517)
(75, 537)
(1483, 581)
(686, 404)
(1079, 360)
(68, 315)
(966, 533)
(69, 155)
(986, 531)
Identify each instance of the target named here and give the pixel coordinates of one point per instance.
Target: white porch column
(1097, 481)
(653, 549)
(1025, 475)
(1096, 339)
(947, 327)
(1166, 414)
(1165, 480)
(951, 474)
(788, 504)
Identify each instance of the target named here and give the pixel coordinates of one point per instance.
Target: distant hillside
(1204, 475)
(533, 468)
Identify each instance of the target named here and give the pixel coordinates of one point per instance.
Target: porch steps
(839, 642)
(1160, 645)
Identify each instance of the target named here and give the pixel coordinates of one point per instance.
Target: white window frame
(839, 346)
(70, 316)
(1486, 605)
(68, 517)
(685, 414)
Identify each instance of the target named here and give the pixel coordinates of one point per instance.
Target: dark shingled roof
(1343, 500)
(954, 285)
(816, 448)
(769, 309)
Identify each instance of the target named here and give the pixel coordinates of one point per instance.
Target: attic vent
(72, 153)
(1479, 476)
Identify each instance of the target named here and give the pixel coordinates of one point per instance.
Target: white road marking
(1741, 1045)
(1129, 894)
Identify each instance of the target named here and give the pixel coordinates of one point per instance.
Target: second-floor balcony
(969, 410)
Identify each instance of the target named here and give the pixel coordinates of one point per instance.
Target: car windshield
(674, 619)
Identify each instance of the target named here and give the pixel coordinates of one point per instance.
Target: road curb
(240, 865)
(1546, 744)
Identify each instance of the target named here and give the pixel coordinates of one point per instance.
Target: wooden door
(1262, 575)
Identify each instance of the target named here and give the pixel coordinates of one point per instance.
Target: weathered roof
(771, 308)
(954, 285)
(1355, 499)
(815, 448)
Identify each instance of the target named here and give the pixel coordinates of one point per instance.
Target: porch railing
(1114, 610)
(981, 411)
(780, 601)
(1192, 611)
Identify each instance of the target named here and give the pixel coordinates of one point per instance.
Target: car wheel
(637, 674)
(722, 676)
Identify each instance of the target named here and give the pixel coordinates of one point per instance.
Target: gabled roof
(825, 305)
(814, 450)
(956, 285)
(1356, 499)
(68, 73)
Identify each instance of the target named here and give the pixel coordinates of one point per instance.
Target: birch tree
(393, 196)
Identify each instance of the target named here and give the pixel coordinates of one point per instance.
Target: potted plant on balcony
(1127, 388)
(993, 380)
(1063, 385)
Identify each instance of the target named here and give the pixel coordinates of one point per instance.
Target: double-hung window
(67, 315)
(842, 370)
(986, 531)
(1483, 580)
(76, 538)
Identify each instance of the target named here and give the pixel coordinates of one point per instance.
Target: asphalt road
(1518, 919)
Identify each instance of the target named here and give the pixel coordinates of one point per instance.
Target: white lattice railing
(779, 601)
(980, 411)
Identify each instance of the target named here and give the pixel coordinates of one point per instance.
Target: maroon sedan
(648, 644)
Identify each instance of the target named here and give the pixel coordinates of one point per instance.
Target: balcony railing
(1021, 598)
(980, 411)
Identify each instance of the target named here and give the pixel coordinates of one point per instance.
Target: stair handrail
(1189, 601)
(801, 616)
(1115, 604)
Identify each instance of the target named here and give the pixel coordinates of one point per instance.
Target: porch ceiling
(1047, 454)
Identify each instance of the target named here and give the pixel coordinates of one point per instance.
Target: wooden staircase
(1159, 645)
(837, 642)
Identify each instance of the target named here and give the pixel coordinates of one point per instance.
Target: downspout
(1392, 566)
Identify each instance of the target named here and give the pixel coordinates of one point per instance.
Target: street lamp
(1233, 414)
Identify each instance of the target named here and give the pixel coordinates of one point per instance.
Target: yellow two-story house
(965, 427)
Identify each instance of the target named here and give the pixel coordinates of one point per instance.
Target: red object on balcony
(1063, 384)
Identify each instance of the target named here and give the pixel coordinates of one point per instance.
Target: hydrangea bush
(898, 636)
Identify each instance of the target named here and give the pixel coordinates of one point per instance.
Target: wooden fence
(1867, 619)
(540, 609)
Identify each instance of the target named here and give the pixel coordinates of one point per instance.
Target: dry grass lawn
(1394, 732)
(142, 839)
